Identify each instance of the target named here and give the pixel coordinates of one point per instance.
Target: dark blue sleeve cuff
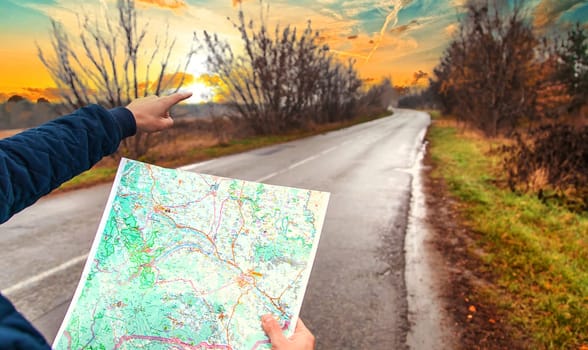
(125, 120)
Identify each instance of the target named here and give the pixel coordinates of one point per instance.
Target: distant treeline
(19, 113)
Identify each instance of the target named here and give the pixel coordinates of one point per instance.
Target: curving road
(356, 298)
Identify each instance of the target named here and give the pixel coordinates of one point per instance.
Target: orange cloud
(209, 79)
(363, 48)
(169, 4)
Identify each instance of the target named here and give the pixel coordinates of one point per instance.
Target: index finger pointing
(177, 97)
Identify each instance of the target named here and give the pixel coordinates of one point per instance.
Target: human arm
(302, 339)
(38, 160)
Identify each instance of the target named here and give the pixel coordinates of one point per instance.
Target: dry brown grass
(184, 144)
(469, 132)
(538, 180)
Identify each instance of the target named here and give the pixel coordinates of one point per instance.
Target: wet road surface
(356, 298)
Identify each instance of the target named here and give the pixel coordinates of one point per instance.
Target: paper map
(191, 261)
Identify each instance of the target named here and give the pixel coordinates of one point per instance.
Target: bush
(487, 75)
(282, 78)
(551, 160)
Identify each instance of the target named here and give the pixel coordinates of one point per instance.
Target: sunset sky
(388, 38)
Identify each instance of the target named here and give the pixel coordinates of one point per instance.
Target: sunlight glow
(202, 90)
(200, 93)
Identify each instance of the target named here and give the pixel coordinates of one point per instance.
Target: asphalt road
(356, 298)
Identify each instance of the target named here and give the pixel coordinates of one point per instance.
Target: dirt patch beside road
(477, 323)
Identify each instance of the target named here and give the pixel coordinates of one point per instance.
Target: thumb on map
(272, 329)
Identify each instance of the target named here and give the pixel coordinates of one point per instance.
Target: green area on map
(185, 260)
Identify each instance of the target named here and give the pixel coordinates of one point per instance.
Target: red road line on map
(290, 284)
(68, 336)
(220, 216)
(175, 341)
(204, 179)
(150, 171)
(239, 232)
(270, 298)
(232, 314)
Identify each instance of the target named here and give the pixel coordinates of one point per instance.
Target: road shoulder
(430, 324)
(475, 323)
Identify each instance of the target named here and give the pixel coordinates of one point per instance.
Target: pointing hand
(152, 112)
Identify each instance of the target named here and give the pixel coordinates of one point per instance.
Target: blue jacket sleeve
(16, 333)
(38, 160)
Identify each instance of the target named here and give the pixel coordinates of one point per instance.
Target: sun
(200, 93)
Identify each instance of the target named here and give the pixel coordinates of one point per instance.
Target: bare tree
(284, 79)
(488, 74)
(104, 63)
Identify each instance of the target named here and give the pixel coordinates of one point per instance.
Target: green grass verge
(103, 174)
(92, 176)
(538, 253)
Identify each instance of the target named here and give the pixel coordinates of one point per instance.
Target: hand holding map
(302, 339)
